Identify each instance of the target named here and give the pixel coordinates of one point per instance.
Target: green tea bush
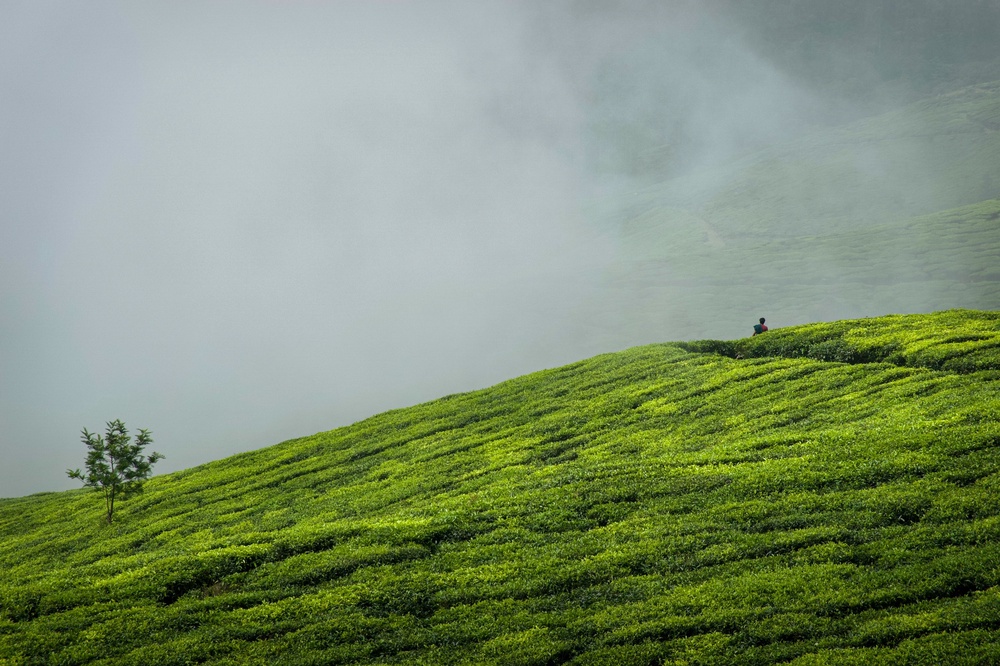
(821, 494)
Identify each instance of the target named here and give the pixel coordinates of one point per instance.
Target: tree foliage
(116, 466)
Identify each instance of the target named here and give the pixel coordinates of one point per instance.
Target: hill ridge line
(858, 342)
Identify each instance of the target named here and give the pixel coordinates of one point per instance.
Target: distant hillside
(940, 153)
(861, 48)
(933, 155)
(690, 283)
(894, 213)
(828, 493)
(851, 59)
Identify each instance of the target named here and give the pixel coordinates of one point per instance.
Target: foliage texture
(668, 504)
(116, 466)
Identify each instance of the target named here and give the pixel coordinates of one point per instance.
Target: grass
(822, 494)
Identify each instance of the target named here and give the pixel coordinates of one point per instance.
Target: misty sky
(235, 223)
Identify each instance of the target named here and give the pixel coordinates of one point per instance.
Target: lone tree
(114, 465)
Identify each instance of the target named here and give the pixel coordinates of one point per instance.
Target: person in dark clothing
(759, 328)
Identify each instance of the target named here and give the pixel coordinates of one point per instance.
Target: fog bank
(235, 223)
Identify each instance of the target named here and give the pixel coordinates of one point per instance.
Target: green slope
(823, 494)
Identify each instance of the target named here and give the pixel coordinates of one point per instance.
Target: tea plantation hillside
(825, 494)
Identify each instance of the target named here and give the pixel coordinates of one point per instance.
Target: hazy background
(235, 223)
